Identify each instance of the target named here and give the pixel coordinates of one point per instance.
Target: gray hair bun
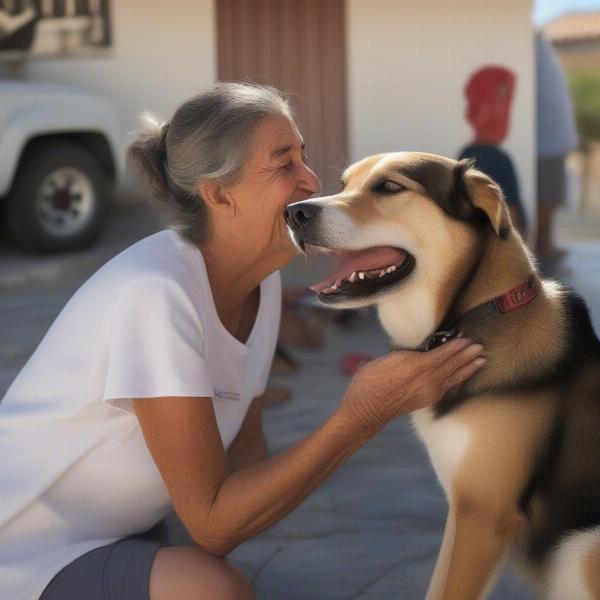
(148, 153)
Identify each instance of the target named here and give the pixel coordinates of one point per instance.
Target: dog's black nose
(299, 214)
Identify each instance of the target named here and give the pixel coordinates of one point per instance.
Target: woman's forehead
(275, 136)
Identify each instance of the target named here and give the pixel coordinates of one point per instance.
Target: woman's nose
(309, 182)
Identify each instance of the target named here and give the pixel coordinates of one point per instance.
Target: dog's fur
(515, 448)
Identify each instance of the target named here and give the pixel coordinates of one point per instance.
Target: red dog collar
(512, 300)
(519, 296)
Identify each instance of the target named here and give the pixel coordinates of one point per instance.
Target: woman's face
(275, 175)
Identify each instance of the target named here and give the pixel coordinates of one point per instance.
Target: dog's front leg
(440, 573)
(478, 537)
(483, 494)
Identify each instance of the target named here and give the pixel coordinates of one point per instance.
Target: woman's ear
(485, 194)
(217, 198)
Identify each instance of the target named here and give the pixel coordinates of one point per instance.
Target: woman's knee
(189, 573)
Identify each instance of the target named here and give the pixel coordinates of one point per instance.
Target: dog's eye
(391, 187)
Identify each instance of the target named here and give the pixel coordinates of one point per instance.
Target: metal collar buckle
(439, 338)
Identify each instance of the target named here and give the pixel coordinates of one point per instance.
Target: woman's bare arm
(221, 507)
(250, 444)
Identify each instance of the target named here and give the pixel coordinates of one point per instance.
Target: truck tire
(59, 198)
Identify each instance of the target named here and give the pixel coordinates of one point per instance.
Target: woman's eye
(391, 187)
(289, 166)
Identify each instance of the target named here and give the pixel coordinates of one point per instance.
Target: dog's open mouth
(365, 272)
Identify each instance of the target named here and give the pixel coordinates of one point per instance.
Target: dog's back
(562, 500)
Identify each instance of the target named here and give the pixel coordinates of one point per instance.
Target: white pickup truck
(59, 159)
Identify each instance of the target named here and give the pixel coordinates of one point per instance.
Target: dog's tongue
(365, 260)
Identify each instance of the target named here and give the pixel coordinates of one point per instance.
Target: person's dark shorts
(117, 571)
(551, 180)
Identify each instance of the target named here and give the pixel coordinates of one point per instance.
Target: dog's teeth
(361, 275)
(352, 277)
(381, 273)
(338, 283)
(390, 269)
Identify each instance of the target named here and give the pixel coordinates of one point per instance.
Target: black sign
(53, 27)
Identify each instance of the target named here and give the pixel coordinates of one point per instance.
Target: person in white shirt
(141, 396)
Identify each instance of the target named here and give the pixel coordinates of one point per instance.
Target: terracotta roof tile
(575, 26)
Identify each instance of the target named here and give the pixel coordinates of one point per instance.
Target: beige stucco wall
(407, 64)
(158, 58)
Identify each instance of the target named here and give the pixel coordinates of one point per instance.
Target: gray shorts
(551, 180)
(118, 571)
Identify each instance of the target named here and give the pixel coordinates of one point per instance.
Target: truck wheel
(58, 199)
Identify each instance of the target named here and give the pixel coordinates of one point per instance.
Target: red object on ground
(489, 93)
(352, 362)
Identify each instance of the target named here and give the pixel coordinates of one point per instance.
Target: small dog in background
(429, 241)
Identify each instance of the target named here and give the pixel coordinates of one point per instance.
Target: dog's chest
(447, 441)
(408, 319)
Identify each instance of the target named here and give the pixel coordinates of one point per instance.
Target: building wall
(407, 65)
(158, 58)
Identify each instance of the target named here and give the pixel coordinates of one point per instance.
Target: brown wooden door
(297, 46)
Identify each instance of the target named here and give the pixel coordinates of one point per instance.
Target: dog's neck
(504, 265)
(520, 345)
(500, 266)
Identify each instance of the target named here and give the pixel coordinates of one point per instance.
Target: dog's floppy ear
(485, 197)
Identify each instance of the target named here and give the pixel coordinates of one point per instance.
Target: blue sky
(546, 10)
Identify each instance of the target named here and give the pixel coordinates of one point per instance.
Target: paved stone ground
(20, 270)
(372, 530)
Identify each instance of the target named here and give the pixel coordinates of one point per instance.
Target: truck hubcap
(65, 201)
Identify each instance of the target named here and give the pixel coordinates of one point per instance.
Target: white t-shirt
(75, 472)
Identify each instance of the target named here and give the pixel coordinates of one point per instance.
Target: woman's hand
(401, 382)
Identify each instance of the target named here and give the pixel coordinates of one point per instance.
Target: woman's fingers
(462, 374)
(455, 361)
(460, 362)
(442, 360)
(430, 359)
(446, 351)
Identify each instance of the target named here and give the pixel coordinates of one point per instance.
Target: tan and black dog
(429, 241)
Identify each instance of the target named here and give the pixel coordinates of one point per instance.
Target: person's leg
(545, 238)
(190, 573)
(137, 568)
(551, 183)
